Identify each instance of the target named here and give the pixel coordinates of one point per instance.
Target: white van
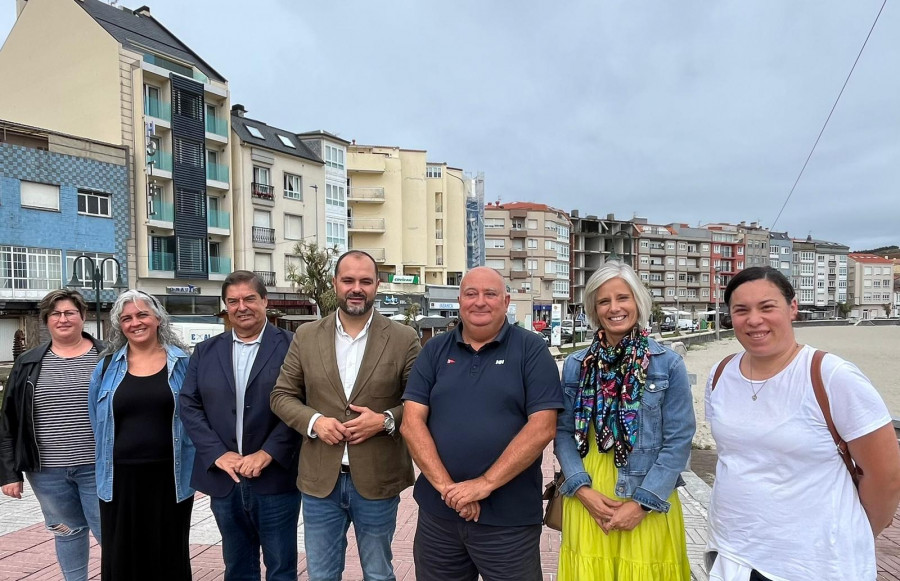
(193, 332)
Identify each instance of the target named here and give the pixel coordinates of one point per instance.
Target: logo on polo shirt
(500, 362)
(449, 361)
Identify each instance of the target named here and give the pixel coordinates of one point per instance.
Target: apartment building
(781, 252)
(819, 275)
(64, 202)
(529, 244)
(280, 190)
(107, 73)
(410, 215)
(674, 261)
(594, 241)
(870, 283)
(756, 244)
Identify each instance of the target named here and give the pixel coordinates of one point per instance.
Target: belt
(345, 469)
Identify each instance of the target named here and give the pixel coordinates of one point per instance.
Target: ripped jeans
(68, 499)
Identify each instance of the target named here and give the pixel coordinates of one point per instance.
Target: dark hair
(244, 277)
(761, 273)
(360, 253)
(48, 303)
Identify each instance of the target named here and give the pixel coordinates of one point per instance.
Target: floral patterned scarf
(609, 393)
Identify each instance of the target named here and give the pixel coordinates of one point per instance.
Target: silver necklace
(750, 381)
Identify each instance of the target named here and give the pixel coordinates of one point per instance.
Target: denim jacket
(101, 411)
(664, 437)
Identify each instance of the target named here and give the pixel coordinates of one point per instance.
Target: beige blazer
(310, 383)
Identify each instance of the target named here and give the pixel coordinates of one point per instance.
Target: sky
(694, 111)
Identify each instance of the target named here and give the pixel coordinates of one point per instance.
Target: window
(191, 254)
(286, 141)
(494, 243)
(84, 272)
(645, 260)
(336, 234)
(740, 250)
(29, 268)
(704, 247)
(784, 265)
(785, 250)
(670, 245)
(43, 196)
(532, 243)
(531, 224)
(262, 263)
(293, 227)
(645, 244)
(550, 245)
(495, 263)
(531, 264)
(293, 265)
(334, 157)
(254, 131)
(261, 175)
(93, 203)
(740, 265)
(670, 292)
(335, 196)
(432, 171)
(152, 101)
(704, 292)
(494, 223)
(187, 104)
(187, 152)
(670, 276)
(293, 187)
(549, 267)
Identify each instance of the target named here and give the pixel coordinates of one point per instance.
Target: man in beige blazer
(340, 387)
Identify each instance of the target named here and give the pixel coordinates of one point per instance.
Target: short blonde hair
(617, 269)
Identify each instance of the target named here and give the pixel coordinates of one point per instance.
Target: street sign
(581, 318)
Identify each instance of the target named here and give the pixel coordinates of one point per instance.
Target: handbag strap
(815, 372)
(720, 369)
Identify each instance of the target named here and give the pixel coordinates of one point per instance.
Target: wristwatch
(388, 423)
(645, 507)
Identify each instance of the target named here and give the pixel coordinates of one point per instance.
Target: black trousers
(456, 550)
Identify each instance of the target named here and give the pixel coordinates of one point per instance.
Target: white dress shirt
(243, 354)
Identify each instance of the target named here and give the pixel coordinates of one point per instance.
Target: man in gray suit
(342, 391)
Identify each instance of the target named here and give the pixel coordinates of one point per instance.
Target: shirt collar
(340, 327)
(241, 341)
(501, 336)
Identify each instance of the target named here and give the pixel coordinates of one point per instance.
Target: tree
(314, 279)
(409, 317)
(656, 312)
(845, 308)
(887, 309)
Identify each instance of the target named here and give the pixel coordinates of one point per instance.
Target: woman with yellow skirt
(622, 442)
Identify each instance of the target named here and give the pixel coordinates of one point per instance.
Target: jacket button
(347, 413)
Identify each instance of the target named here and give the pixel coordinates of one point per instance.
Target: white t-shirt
(783, 502)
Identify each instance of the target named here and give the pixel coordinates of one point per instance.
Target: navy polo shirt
(478, 402)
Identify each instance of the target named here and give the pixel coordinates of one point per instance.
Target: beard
(355, 311)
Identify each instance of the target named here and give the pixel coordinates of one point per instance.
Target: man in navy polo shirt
(479, 408)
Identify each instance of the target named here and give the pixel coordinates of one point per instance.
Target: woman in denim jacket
(144, 457)
(622, 442)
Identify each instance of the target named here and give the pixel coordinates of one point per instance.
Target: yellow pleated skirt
(654, 551)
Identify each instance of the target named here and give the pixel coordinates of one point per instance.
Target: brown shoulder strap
(720, 369)
(815, 373)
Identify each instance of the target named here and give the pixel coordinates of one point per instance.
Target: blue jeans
(249, 521)
(326, 521)
(68, 499)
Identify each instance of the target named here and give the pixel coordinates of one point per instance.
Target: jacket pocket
(650, 430)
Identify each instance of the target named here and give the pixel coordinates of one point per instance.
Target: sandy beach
(875, 350)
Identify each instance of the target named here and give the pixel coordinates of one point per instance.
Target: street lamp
(717, 269)
(96, 281)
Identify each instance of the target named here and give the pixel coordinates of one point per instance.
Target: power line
(833, 107)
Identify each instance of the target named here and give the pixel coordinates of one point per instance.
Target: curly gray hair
(164, 333)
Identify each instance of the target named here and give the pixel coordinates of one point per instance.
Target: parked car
(565, 336)
(546, 337)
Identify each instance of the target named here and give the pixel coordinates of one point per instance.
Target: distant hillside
(889, 251)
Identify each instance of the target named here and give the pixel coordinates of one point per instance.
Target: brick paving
(26, 548)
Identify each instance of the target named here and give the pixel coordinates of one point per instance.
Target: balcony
(366, 224)
(518, 254)
(219, 220)
(366, 195)
(162, 261)
(657, 283)
(219, 265)
(365, 162)
(517, 233)
(217, 126)
(657, 267)
(264, 237)
(175, 68)
(218, 173)
(657, 251)
(155, 108)
(518, 274)
(266, 276)
(518, 214)
(161, 161)
(161, 212)
(262, 192)
(376, 253)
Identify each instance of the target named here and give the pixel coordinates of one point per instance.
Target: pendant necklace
(750, 381)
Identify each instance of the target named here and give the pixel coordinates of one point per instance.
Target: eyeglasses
(57, 315)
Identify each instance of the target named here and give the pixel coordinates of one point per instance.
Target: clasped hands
(464, 497)
(610, 514)
(249, 466)
(332, 431)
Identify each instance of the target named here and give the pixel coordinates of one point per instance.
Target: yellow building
(410, 215)
(107, 73)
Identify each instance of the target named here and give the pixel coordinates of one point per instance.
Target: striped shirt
(61, 422)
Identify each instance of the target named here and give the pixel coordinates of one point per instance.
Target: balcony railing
(267, 277)
(162, 212)
(161, 161)
(218, 219)
(175, 68)
(216, 171)
(264, 191)
(216, 126)
(366, 194)
(153, 107)
(219, 265)
(366, 224)
(263, 235)
(162, 261)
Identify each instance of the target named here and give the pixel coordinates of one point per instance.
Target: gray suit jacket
(310, 383)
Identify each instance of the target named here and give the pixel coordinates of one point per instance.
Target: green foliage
(314, 279)
(845, 308)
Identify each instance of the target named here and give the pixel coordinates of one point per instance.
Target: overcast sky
(689, 111)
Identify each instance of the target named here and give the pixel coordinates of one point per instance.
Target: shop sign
(183, 290)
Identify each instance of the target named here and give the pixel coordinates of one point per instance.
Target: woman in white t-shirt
(784, 506)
